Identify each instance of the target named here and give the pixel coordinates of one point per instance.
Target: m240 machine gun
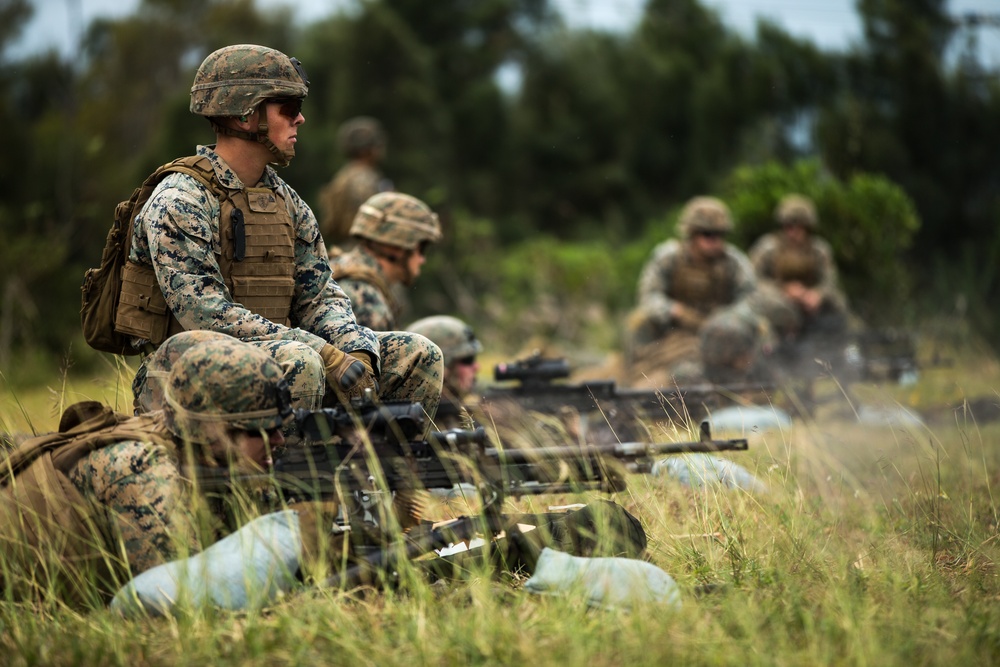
(377, 450)
(536, 383)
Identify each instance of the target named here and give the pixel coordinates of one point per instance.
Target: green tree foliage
(620, 127)
(36, 209)
(428, 72)
(908, 110)
(869, 222)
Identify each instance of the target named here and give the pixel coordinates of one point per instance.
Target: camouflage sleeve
(139, 486)
(320, 305)
(370, 306)
(654, 281)
(745, 280)
(180, 229)
(829, 282)
(762, 256)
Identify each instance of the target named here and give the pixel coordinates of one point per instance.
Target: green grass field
(876, 545)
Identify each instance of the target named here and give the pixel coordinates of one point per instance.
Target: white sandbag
(245, 570)
(872, 415)
(459, 490)
(609, 583)
(699, 470)
(750, 419)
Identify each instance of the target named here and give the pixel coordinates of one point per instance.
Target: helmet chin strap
(282, 158)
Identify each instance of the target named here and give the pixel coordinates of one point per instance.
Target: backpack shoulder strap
(196, 166)
(77, 420)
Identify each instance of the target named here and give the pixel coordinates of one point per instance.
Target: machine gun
(374, 450)
(891, 354)
(874, 355)
(538, 387)
(380, 447)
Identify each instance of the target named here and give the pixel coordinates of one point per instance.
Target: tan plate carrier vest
(52, 537)
(700, 285)
(263, 281)
(792, 264)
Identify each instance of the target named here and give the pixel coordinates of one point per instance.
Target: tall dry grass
(876, 544)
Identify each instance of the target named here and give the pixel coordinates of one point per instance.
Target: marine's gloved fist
(348, 374)
(686, 317)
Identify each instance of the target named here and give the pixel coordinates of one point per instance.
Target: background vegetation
(557, 157)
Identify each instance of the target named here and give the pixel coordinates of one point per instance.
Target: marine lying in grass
(106, 497)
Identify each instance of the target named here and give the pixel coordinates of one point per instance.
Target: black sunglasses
(710, 234)
(290, 107)
(466, 361)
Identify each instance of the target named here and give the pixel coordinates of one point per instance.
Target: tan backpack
(49, 539)
(102, 286)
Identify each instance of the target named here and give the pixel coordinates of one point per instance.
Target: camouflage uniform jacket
(359, 274)
(343, 196)
(816, 260)
(177, 233)
(657, 278)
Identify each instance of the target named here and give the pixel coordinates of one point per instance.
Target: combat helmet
(729, 338)
(704, 214)
(154, 372)
(360, 134)
(784, 319)
(397, 220)
(227, 383)
(456, 339)
(235, 80)
(796, 209)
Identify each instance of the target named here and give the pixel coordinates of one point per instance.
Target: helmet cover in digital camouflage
(783, 316)
(396, 219)
(704, 214)
(456, 339)
(729, 337)
(357, 135)
(234, 80)
(796, 210)
(227, 383)
(152, 377)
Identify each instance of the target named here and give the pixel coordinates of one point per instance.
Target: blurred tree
(908, 110)
(613, 129)
(428, 72)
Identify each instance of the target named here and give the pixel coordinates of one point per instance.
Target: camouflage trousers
(412, 369)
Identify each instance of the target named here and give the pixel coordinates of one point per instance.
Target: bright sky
(830, 24)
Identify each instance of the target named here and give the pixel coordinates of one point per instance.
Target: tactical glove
(686, 317)
(348, 375)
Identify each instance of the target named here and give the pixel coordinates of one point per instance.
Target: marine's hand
(348, 374)
(687, 318)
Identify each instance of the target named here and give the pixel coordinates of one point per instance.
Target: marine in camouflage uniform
(239, 252)
(362, 141)
(731, 344)
(682, 284)
(460, 347)
(799, 265)
(125, 478)
(393, 232)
